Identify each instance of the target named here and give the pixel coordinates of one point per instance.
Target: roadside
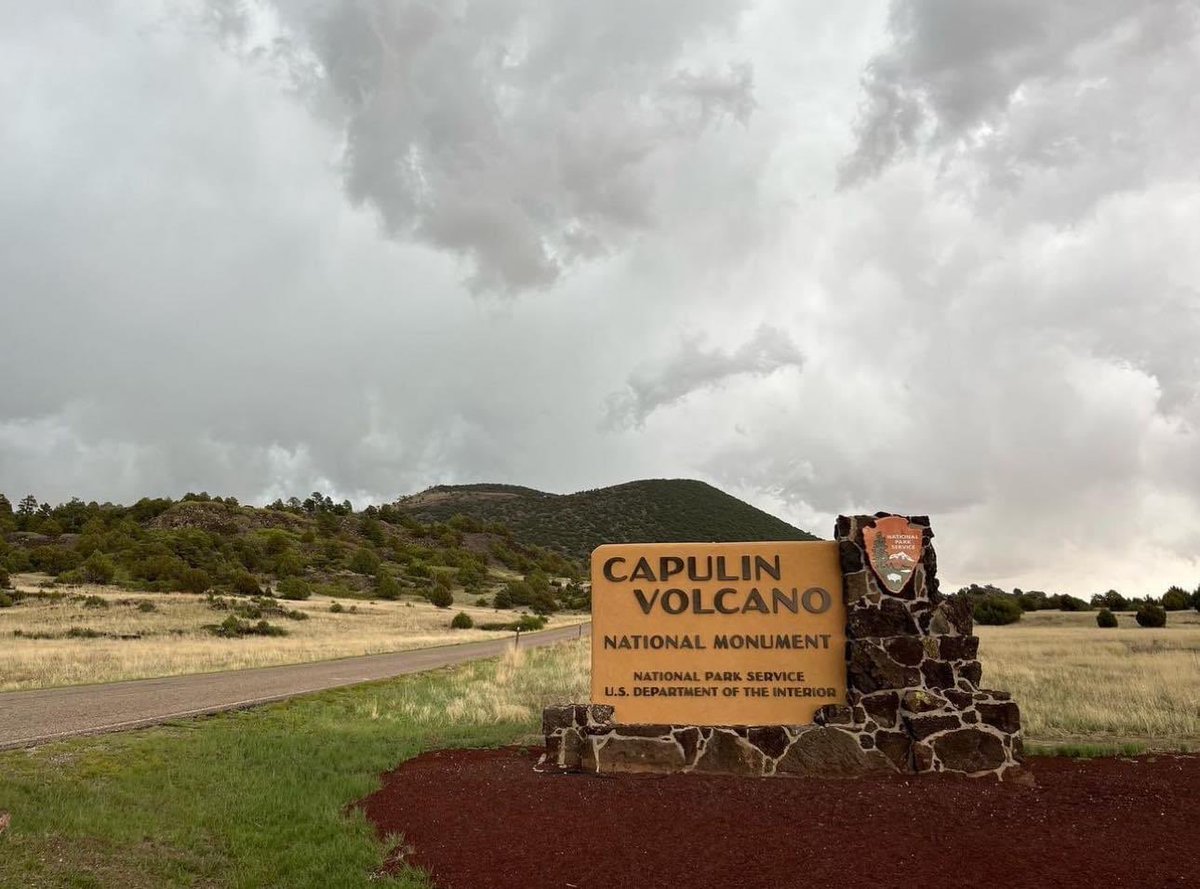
(33, 717)
(56, 636)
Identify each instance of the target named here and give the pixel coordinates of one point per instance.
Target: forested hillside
(205, 544)
(514, 546)
(574, 524)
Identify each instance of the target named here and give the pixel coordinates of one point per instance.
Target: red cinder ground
(483, 819)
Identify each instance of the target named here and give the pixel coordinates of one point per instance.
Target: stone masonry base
(973, 735)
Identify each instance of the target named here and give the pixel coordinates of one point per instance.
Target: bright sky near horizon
(935, 257)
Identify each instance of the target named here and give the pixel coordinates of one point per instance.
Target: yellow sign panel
(718, 633)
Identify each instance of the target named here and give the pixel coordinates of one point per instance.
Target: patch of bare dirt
(477, 819)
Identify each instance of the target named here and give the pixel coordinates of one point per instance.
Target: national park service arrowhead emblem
(894, 547)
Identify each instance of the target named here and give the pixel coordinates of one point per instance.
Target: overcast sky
(935, 257)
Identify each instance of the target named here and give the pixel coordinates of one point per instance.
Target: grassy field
(259, 798)
(256, 798)
(1079, 685)
(48, 641)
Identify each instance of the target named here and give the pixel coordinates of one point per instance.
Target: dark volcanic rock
(834, 714)
(972, 671)
(952, 615)
(689, 740)
(771, 740)
(970, 750)
(618, 754)
(895, 746)
(961, 700)
(556, 717)
(641, 730)
(856, 587)
(890, 618)
(924, 726)
(906, 650)
(958, 648)
(921, 701)
(938, 674)
(728, 754)
(829, 752)
(851, 557)
(870, 669)
(882, 707)
(1005, 716)
(598, 714)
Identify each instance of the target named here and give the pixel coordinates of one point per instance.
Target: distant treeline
(993, 605)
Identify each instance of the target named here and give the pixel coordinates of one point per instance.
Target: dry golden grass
(172, 639)
(514, 690)
(1077, 683)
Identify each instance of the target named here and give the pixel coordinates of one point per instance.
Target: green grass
(1084, 751)
(250, 799)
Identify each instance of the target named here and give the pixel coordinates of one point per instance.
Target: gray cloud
(996, 322)
(524, 140)
(1025, 86)
(692, 368)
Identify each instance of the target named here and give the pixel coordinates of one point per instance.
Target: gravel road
(28, 718)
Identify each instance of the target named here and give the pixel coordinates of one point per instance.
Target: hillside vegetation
(501, 545)
(574, 524)
(292, 550)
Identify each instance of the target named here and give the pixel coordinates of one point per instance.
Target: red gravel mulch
(483, 819)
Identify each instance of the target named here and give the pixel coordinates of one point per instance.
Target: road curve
(28, 718)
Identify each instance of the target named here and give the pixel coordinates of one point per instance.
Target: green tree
(99, 568)
(18, 561)
(462, 621)
(371, 529)
(54, 559)
(519, 592)
(1112, 600)
(1105, 619)
(996, 610)
(1151, 615)
(364, 561)
(472, 576)
(289, 564)
(26, 512)
(293, 588)
(1176, 599)
(245, 584)
(386, 586)
(440, 597)
(194, 580)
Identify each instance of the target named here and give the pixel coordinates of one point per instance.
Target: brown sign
(894, 548)
(718, 633)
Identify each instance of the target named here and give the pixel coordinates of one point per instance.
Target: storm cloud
(919, 256)
(694, 368)
(523, 139)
